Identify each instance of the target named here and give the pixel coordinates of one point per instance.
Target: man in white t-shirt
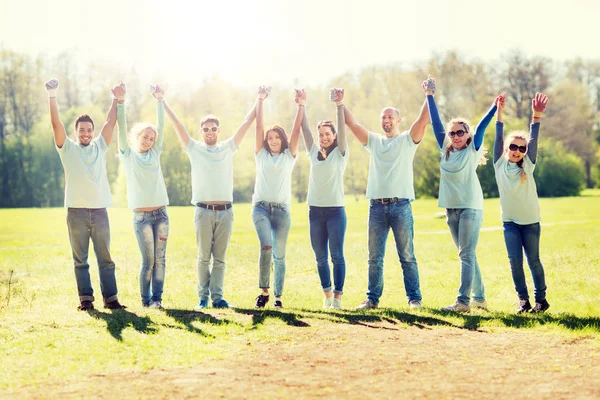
(390, 191)
(212, 194)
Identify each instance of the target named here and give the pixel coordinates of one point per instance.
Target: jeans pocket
(163, 212)
(139, 218)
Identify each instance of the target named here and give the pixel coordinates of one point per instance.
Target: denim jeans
(85, 224)
(328, 224)
(398, 216)
(213, 231)
(272, 222)
(525, 237)
(152, 231)
(465, 224)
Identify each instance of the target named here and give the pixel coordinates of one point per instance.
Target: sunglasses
(459, 133)
(514, 147)
(213, 129)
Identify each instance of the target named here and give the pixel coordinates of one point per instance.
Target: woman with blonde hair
(139, 152)
(514, 163)
(461, 195)
(275, 158)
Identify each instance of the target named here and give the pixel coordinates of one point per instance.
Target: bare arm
(109, 125)
(60, 135)
(337, 96)
(417, 129)
(260, 128)
(295, 139)
(243, 129)
(182, 133)
(360, 132)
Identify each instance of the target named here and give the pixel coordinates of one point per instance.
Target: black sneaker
(278, 304)
(524, 306)
(261, 301)
(86, 306)
(114, 305)
(540, 306)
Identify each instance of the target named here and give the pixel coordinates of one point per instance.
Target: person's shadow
(118, 320)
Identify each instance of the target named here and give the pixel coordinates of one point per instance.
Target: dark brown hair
(328, 123)
(83, 118)
(281, 132)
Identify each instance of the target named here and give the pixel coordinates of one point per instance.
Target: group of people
(390, 190)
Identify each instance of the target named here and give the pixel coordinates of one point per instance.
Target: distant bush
(558, 172)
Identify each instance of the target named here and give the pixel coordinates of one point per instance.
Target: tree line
(31, 174)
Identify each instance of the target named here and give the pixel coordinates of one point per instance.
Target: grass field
(43, 339)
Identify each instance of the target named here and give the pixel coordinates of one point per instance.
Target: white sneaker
(415, 304)
(156, 304)
(366, 305)
(457, 307)
(479, 304)
(327, 302)
(336, 303)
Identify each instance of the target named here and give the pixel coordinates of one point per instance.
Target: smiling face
(390, 120)
(146, 139)
(210, 131)
(274, 141)
(515, 154)
(326, 136)
(85, 133)
(454, 131)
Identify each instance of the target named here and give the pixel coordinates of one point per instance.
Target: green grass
(43, 338)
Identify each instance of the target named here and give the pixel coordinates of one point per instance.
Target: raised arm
(337, 95)
(360, 132)
(483, 124)
(243, 129)
(182, 133)
(499, 142)
(300, 99)
(436, 122)
(120, 92)
(60, 135)
(263, 93)
(159, 93)
(111, 116)
(417, 129)
(538, 106)
(306, 133)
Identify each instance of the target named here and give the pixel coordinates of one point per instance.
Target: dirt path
(380, 360)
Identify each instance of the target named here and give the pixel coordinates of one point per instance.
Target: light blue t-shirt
(145, 182)
(459, 184)
(518, 200)
(86, 183)
(273, 177)
(326, 182)
(391, 166)
(212, 170)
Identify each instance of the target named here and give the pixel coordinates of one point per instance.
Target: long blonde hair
(134, 134)
(465, 125)
(509, 138)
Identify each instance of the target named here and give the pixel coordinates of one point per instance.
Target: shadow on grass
(260, 315)
(186, 317)
(118, 320)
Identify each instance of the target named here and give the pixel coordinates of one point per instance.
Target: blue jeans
(328, 224)
(85, 224)
(465, 224)
(272, 222)
(398, 216)
(525, 237)
(152, 231)
(213, 231)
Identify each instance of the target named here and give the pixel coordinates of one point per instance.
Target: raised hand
(300, 96)
(500, 101)
(538, 104)
(336, 95)
(263, 92)
(52, 87)
(119, 91)
(157, 91)
(428, 85)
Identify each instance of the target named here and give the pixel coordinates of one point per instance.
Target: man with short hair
(87, 194)
(390, 191)
(212, 194)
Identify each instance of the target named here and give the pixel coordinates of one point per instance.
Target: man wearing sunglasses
(390, 191)
(212, 194)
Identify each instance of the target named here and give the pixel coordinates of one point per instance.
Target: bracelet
(51, 97)
(339, 104)
(301, 105)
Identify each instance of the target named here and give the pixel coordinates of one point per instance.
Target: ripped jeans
(272, 222)
(152, 231)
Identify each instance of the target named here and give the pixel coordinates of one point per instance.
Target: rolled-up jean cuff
(267, 287)
(86, 298)
(327, 290)
(111, 298)
(338, 292)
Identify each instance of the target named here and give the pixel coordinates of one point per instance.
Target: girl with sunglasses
(140, 152)
(327, 215)
(460, 193)
(275, 158)
(514, 163)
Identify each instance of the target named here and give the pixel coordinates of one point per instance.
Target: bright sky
(249, 42)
